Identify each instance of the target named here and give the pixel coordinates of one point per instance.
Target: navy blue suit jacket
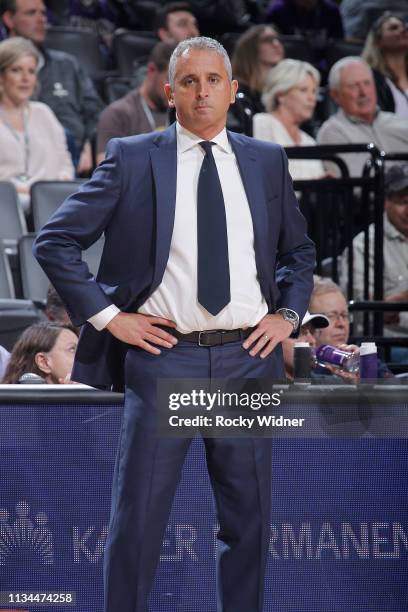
(131, 198)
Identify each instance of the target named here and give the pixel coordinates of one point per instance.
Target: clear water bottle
(349, 362)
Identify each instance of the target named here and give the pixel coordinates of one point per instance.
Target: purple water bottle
(368, 360)
(350, 362)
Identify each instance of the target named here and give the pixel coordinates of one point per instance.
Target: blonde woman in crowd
(289, 96)
(386, 51)
(32, 141)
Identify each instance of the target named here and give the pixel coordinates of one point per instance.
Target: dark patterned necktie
(212, 243)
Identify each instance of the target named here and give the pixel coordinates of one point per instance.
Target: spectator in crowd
(175, 22)
(63, 84)
(306, 17)
(143, 109)
(32, 141)
(256, 52)
(386, 50)
(45, 349)
(395, 251)
(62, 12)
(290, 99)
(316, 20)
(115, 13)
(96, 15)
(307, 333)
(58, 11)
(328, 299)
(358, 120)
(358, 17)
(219, 16)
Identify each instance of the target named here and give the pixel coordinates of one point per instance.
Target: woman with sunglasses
(386, 50)
(257, 51)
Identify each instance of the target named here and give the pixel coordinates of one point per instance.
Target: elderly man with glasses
(328, 300)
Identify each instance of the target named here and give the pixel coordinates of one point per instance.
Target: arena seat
(116, 87)
(337, 49)
(13, 224)
(297, 47)
(82, 43)
(131, 48)
(47, 196)
(6, 280)
(15, 317)
(34, 281)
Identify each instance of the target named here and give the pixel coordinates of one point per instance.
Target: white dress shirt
(176, 296)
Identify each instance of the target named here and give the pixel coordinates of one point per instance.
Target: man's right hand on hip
(142, 331)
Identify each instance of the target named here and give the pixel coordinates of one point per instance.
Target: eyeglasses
(399, 201)
(269, 38)
(333, 316)
(393, 27)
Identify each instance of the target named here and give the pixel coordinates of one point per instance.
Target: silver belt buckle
(208, 331)
(199, 338)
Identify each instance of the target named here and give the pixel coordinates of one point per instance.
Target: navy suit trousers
(148, 470)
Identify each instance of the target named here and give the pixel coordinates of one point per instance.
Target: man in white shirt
(206, 269)
(395, 252)
(358, 120)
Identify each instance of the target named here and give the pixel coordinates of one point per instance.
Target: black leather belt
(213, 337)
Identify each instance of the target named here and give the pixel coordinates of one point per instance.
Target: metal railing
(339, 208)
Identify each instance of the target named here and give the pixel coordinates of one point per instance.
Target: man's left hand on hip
(270, 330)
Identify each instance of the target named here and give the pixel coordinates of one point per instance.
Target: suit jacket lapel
(164, 164)
(253, 180)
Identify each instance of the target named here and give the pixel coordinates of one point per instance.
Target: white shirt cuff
(102, 318)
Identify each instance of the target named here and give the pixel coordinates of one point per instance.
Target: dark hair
(163, 12)
(9, 6)
(38, 338)
(160, 55)
(245, 63)
(54, 306)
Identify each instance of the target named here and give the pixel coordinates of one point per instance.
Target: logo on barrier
(24, 539)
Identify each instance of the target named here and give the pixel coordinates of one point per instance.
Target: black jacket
(68, 90)
(385, 99)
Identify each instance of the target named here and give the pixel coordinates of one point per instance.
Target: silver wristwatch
(289, 315)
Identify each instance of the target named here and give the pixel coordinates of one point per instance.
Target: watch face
(290, 316)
